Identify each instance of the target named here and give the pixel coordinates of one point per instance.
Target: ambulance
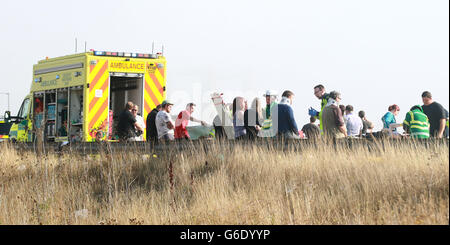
(5, 125)
(79, 97)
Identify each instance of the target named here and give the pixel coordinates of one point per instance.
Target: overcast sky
(376, 53)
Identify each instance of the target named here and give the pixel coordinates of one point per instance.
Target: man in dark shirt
(435, 113)
(152, 133)
(311, 130)
(127, 124)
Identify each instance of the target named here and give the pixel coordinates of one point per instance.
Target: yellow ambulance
(79, 97)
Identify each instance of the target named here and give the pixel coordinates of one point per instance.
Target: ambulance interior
(124, 88)
(58, 114)
(75, 123)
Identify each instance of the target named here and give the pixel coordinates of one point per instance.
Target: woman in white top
(140, 121)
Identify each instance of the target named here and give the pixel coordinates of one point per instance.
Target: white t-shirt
(354, 124)
(141, 123)
(161, 120)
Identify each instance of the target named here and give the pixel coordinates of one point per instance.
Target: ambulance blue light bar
(122, 54)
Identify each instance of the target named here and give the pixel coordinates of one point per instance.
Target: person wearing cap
(271, 102)
(182, 121)
(416, 123)
(271, 99)
(152, 133)
(163, 122)
(319, 92)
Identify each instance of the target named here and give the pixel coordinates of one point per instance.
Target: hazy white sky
(376, 53)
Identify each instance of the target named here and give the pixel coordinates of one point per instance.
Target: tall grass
(247, 184)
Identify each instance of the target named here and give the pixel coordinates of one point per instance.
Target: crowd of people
(338, 121)
(276, 119)
(159, 124)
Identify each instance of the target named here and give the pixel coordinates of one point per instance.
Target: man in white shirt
(164, 123)
(353, 123)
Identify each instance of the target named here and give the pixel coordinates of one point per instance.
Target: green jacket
(416, 123)
(323, 103)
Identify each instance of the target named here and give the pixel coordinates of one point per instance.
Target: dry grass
(251, 185)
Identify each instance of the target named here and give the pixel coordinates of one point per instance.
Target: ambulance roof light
(122, 54)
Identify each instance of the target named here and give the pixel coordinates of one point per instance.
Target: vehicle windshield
(24, 109)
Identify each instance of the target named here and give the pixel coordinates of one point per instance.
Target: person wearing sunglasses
(140, 121)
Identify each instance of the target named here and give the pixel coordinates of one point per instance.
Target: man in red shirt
(182, 121)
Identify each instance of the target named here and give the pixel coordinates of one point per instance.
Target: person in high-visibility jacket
(319, 92)
(271, 101)
(416, 123)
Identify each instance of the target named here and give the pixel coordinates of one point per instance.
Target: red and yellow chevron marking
(98, 100)
(154, 93)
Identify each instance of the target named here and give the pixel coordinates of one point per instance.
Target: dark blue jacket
(286, 121)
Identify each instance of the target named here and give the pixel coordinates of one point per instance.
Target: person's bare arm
(192, 119)
(170, 125)
(441, 127)
(197, 120)
(138, 126)
(343, 130)
(406, 128)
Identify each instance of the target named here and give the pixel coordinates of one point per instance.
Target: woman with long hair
(253, 119)
(239, 107)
